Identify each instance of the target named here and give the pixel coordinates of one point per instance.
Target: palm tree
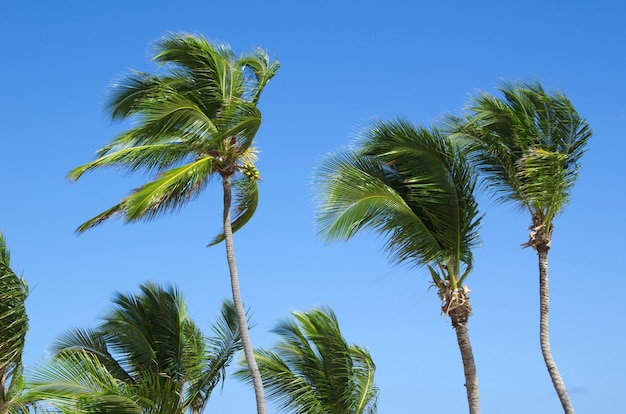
(528, 145)
(414, 187)
(313, 370)
(193, 122)
(147, 356)
(13, 328)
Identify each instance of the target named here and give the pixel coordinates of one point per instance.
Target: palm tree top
(528, 145)
(410, 184)
(195, 119)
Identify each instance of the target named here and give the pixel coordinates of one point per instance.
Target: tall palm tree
(313, 370)
(528, 145)
(147, 356)
(414, 187)
(195, 121)
(13, 328)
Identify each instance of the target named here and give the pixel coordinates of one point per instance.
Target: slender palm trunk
(544, 335)
(241, 314)
(469, 367)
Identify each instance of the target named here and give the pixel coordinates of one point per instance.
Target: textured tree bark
(544, 333)
(241, 314)
(469, 367)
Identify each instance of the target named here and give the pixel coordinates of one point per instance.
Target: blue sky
(343, 64)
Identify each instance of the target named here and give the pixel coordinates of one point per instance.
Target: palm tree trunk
(239, 309)
(544, 334)
(469, 367)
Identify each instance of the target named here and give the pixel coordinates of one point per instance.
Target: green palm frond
(13, 318)
(147, 157)
(263, 71)
(168, 192)
(5, 254)
(92, 341)
(216, 356)
(14, 398)
(313, 370)
(78, 381)
(18, 399)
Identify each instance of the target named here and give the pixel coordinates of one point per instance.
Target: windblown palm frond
(313, 370)
(13, 329)
(77, 380)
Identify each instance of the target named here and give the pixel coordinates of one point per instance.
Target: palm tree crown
(147, 356)
(411, 185)
(196, 119)
(528, 145)
(313, 370)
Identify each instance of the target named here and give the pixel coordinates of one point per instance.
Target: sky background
(342, 64)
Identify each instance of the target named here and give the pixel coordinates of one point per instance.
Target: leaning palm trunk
(241, 314)
(455, 303)
(544, 333)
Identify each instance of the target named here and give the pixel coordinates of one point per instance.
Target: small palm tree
(528, 145)
(414, 187)
(313, 370)
(13, 328)
(194, 122)
(147, 356)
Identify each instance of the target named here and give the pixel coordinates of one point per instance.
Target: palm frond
(218, 352)
(92, 341)
(144, 157)
(168, 192)
(262, 71)
(13, 318)
(77, 381)
(5, 254)
(116, 210)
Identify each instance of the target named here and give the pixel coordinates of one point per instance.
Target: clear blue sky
(342, 64)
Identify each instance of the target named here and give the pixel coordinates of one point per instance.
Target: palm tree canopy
(196, 119)
(13, 329)
(528, 144)
(146, 356)
(411, 185)
(313, 370)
